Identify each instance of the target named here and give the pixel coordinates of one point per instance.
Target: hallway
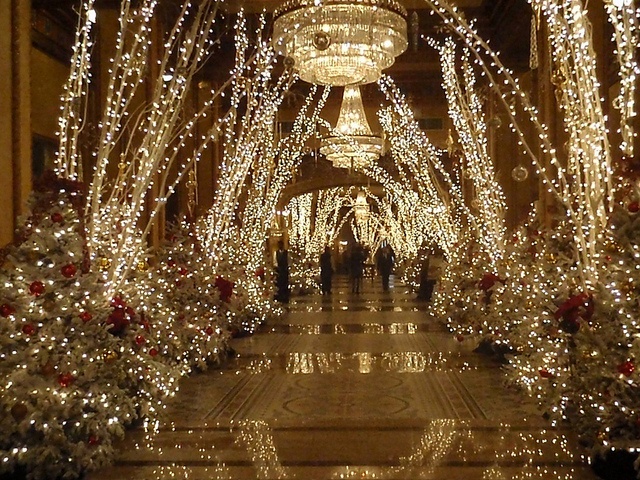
(350, 386)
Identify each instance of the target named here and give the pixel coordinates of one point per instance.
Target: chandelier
(352, 144)
(340, 42)
(361, 207)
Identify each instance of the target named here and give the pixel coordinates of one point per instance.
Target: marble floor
(351, 386)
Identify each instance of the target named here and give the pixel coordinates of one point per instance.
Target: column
(15, 119)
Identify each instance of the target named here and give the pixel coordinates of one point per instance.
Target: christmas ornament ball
(19, 411)
(627, 368)
(6, 310)
(634, 207)
(519, 173)
(57, 217)
(69, 270)
(66, 379)
(36, 288)
(28, 329)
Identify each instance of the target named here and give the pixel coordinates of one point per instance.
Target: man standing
(326, 271)
(385, 266)
(282, 273)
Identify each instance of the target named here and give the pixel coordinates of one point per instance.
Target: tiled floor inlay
(351, 386)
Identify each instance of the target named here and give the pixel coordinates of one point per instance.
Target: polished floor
(351, 386)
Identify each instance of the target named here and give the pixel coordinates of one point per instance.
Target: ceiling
(504, 23)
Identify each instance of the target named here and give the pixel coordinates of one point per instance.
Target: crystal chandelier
(352, 144)
(340, 42)
(361, 207)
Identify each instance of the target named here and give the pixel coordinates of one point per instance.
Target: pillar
(15, 118)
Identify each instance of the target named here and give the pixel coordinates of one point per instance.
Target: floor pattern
(351, 386)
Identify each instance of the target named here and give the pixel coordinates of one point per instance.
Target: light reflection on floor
(349, 387)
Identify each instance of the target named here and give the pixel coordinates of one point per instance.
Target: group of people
(355, 260)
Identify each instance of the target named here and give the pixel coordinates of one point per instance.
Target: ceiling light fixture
(340, 42)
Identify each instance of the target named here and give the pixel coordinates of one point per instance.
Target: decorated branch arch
(98, 327)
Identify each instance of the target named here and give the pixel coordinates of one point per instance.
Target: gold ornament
(142, 266)
(559, 79)
(111, 357)
(104, 263)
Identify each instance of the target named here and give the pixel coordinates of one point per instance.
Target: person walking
(326, 271)
(282, 273)
(357, 268)
(385, 266)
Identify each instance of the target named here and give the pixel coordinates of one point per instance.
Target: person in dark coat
(326, 271)
(356, 265)
(282, 273)
(385, 266)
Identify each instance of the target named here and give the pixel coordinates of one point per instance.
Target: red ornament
(183, 271)
(66, 379)
(460, 337)
(225, 287)
(140, 340)
(36, 288)
(488, 281)
(153, 352)
(69, 271)
(57, 217)
(544, 373)
(260, 272)
(6, 310)
(171, 263)
(85, 316)
(118, 321)
(633, 207)
(94, 440)
(28, 329)
(209, 330)
(626, 368)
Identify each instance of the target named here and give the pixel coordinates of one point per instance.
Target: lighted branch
(623, 16)
(273, 171)
(246, 135)
(68, 163)
(584, 186)
(412, 150)
(117, 225)
(466, 112)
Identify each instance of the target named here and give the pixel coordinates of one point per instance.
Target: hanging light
(340, 42)
(361, 207)
(352, 143)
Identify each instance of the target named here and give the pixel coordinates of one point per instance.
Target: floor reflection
(350, 386)
(302, 363)
(502, 453)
